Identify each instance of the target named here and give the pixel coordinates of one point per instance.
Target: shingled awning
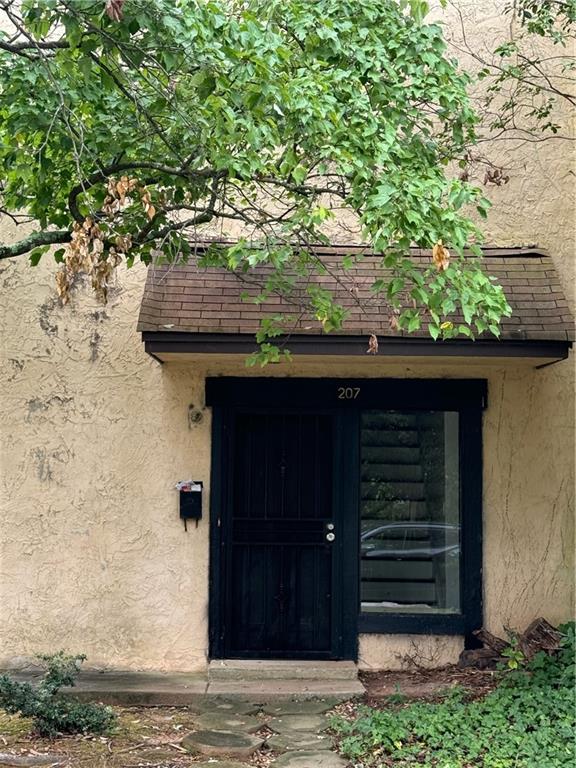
(194, 310)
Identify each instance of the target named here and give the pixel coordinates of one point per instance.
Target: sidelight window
(410, 512)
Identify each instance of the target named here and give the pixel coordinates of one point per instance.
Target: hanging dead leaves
(114, 9)
(92, 249)
(118, 195)
(372, 345)
(85, 254)
(440, 257)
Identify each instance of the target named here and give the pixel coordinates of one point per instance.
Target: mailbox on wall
(190, 501)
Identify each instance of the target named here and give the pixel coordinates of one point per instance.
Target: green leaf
(36, 254)
(434, 330)
(299, 173)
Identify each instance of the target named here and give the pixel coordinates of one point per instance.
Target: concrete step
(277, 690)
(391, 454)
(242, 670)
(382, 472)
(181, 689)
(392, 490)
(393, 438)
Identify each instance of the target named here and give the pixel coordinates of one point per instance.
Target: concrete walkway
(281, 723)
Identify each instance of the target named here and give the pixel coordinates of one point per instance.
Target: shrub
(528, 721)
(51, 712)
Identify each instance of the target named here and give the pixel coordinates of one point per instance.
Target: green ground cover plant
(527, 721)
(51, 713)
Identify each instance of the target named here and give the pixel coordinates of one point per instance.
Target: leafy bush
(50, 711)
(528, 721)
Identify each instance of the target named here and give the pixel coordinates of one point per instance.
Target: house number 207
(348, 393)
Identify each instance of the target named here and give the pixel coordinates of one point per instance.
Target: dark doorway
(280, 554)
(310, 474)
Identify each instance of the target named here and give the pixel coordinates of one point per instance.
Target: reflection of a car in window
(400, 541)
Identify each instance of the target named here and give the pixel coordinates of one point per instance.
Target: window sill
(413, 624)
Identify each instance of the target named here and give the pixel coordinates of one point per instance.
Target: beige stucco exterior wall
(94, 434)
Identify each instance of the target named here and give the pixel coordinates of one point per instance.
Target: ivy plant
(527, 721)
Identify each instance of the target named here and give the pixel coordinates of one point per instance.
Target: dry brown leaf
(440, 256)
(114, 9)
(372, 345)
(62, 285)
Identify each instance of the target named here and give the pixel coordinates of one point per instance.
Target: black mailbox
(190, 501)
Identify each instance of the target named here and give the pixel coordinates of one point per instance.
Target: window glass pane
(410, 512)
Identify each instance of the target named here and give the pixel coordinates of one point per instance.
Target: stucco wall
(94, 434)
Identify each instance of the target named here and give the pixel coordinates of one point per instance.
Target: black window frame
(466, 396)
(471, 609)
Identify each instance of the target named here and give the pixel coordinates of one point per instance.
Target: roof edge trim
(157, 343)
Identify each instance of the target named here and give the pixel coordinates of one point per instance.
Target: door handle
(330, 537)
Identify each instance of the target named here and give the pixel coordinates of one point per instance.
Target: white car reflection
(401, 541)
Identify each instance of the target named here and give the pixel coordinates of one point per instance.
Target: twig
(130, 749)
(177, 746)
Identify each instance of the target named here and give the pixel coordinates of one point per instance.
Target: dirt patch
(426, 683)
(144, 737)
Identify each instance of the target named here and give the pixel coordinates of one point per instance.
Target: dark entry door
(279, 542)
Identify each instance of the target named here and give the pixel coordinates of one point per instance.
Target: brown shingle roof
(191, 299)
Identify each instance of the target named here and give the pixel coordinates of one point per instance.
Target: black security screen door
(342, 507)
(281, 531)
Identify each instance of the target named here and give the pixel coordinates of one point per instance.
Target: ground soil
(145, 737)
(420, 683)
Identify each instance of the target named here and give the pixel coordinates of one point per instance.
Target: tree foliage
(131, 129)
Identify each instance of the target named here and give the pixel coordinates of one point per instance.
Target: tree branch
(40, 45)
(33, 241)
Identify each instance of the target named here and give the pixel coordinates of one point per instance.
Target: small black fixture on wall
(190, 500)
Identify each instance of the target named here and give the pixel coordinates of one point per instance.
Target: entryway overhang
(194, 347)
(194, 313)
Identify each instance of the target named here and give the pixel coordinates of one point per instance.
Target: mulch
(426, 683)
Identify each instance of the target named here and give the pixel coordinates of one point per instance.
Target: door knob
(330, 537)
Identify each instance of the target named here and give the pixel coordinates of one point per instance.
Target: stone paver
(289, 742)
(221, 764)
(299, 707)
(226, 721)
(310, 759)
(222, 743)
(223, 705)
(291, 723)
